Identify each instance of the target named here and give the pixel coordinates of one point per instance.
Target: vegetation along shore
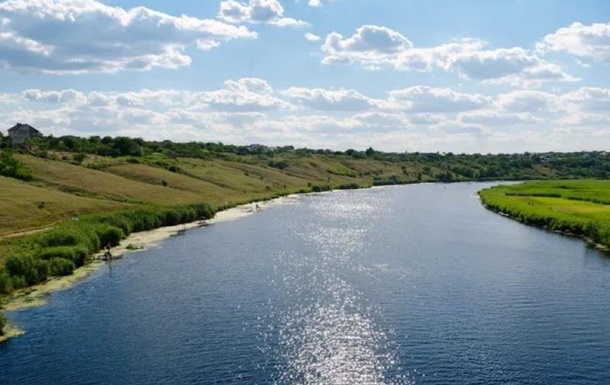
(63, 199)
(575, 207)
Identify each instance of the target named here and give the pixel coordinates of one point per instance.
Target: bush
(6, 284)
(109, 235)
(278, 164)
(25, 267)
(61, 267)
(3, 322)
(75, 254)
(318, 188)
(349, 186)
(12, 168)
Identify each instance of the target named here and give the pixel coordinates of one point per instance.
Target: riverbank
(578, 209)
(37, 295)
(590, 241)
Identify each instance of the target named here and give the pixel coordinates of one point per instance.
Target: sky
(465, 76)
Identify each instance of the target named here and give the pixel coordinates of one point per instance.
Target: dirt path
(25, 232)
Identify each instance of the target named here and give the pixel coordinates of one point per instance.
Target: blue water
(406, 285)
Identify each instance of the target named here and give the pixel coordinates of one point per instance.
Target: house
(19, 133)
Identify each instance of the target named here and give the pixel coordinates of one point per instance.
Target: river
(405, 285)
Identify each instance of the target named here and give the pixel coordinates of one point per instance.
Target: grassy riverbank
(577, 207)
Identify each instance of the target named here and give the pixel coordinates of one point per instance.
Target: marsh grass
(581, 208)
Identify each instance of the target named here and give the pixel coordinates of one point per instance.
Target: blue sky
(444, 75)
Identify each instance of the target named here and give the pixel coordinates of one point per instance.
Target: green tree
(11, 167)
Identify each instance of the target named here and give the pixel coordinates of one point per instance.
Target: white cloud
(584, 41)
(375, 47)
(243, 95)
(61, 97)
(256, 11)
(370, 44)
(330, 100)
(249, 110)
(78, 36)
(422, 99)
(312, 37)
(526, 101)
(587, 99)
(492, 118)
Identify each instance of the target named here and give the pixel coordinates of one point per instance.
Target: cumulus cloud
(376, 46)
(312, 37)
(250, 110)
(422, 99)
(587, 99)
(256, 11)
(79, 36)
(370, 45)
(55, 97)
(243, 95)
(584, 41)
(527, 101)
(330, 100)
(492, 118)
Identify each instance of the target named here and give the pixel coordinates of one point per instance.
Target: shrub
(278, 164)
(61, 267)
(25, 267)
(75, 254)
(318, 188)
(6, 284)
(3, 322)
(108, 235)
(349, 186)
(11, 167)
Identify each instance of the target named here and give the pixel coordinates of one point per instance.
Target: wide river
(407, 285)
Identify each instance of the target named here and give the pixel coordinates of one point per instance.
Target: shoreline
(37, 295)
(588, 240)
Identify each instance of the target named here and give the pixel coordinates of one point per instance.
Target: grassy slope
(80, 180)
(61, 190)
(580, 207)
(26, 207)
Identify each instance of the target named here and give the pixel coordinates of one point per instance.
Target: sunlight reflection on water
(329, 334)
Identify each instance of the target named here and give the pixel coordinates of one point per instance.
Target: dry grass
(80, 180)
(25, 207)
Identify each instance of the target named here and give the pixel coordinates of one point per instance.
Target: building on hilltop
(19, 133)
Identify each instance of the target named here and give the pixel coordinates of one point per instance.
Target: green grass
(580, 207)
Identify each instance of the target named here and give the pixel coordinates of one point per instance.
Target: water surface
(407, 285)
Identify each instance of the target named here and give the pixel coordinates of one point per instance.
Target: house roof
(21, 126)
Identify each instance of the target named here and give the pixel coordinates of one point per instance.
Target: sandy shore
(36, 295)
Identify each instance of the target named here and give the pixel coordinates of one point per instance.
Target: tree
(124, 146)
(11, 167)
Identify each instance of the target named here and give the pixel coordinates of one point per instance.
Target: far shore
(37, 295)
